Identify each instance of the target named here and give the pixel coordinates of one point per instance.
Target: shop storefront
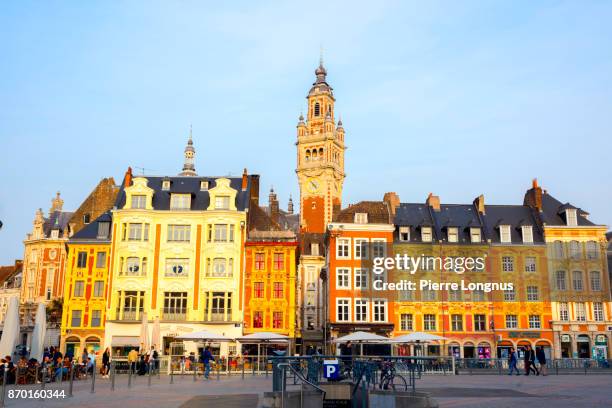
(484, 350)
(566, 346)
(600, 349)
(583, 346)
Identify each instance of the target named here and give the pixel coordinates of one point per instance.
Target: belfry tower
(189, 165)
(320, 157)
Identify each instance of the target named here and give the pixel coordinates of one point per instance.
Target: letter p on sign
(331, 368)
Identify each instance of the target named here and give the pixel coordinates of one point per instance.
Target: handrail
(301, 377)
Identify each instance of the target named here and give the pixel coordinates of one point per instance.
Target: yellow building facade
(84, 306)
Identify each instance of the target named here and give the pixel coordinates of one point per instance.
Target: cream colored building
(177, 255)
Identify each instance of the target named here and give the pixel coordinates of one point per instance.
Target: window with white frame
(571, 217)
(563, 311)
(361, 248)
(98, 290)
(453, 234)
(504, 234)
(96, 318)
(580, 311)
(595, 278)
(379, 310)
(135, 232)
(203, 185)
(79, 288)
(166, 185)
(180, 201)
(480, 322)
(592, 250)
(456, 322)
(177, 267)
(511, 322)
(509, 295)
(530, 264)
(478, 295)
(343, 248)
(455, 295)
(222, 202)
(533, 293)
(527, 234)
(179, 233)
(343, 310)
(343, 278)
(475, 235)
(361, 310)
(406, 322)
(361, 278)
(361, 218)
(378, 248)
(314, 249)
(429, 322)
(558, 250)
(535, 322)
(103, 230)
(428, 295)
(575, 250)
(598, 312)
(577, 280)
(426, 234)
(560, 280)
(508, 263)
(404, 233)
(139, 201)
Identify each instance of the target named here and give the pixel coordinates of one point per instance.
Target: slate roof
(553, 212)
(308, 238)
(57, 220)
(189, 184)
(7, 273)
(464, 217)
(378, 212)
(90, 231)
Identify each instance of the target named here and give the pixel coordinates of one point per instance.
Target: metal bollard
(266, 367)
(182, 370)
(43, 372)
(3, 386)
(112, 373)
(195, 371)
(130, 375)
(243, 368)
(93, 378)
(218, 372)
(71, 379)
(171, 373)
(253, 366)
(150, 372)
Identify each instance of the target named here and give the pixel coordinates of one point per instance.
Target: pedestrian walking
(530, 361)
(206, 358)
(106, 363)
(132, 359)
(541, 357)
(512, 361)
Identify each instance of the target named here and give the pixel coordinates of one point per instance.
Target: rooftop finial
(189, 165)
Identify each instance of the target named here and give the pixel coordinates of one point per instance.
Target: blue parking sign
(331, 369)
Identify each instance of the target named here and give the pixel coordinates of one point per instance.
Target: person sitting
(89, 366)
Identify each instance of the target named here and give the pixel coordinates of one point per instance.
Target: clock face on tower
(313, 185)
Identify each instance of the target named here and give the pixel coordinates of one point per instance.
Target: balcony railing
(129, 315)
(218, 317)
(175, 314)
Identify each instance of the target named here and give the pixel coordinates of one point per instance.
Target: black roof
(90, 231)
(553, 212)
(189, 184)
(57, 220)
(466, 216)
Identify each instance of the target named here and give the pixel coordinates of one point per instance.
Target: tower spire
(188, 165)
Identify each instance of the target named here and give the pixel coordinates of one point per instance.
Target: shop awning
(125, 341)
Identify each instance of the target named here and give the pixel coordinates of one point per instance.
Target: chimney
(533, 197)
(274, 207)
(254, 194)
(479, 203)
(245, 179)
(433, 202)
(127, 180)
(392, 200)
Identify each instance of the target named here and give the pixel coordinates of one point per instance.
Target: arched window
(575, 250)
(317, 109)
(307, 155)
(558, 249)
(321, 152)
(592, 250)
(314, 154)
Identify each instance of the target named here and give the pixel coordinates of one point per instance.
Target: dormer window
(314, 249)
(504, 234)
(404, 233)
(86, 218)
(103, 229)
(166, 185)
(571, 217)
(453, 234)
(527, 234)
(361, 218)
(180, 201)
(139, 201)
(426, 234)
(475, 235)
(54, 234)
(203, 185)
(222, 202)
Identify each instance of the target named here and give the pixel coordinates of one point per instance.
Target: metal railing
(555, 366)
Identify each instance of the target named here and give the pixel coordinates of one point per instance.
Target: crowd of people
(140, 360)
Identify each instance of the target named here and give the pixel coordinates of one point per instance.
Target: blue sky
(455, 98)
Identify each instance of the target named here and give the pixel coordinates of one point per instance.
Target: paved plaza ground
(451, 391)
